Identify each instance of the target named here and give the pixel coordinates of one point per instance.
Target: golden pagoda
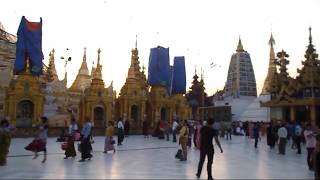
(24, 100)
(132, 100)
(162, 105)
(296, 99)
(83, 78)
(97, 102)
(76, 91)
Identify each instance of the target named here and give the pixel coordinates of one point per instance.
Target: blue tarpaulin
(179, 76)
(159, 67)
(29, 43)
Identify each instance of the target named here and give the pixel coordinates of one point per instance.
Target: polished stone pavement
(140, 158)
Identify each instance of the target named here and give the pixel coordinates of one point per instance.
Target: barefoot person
(85, 145)
(40, 142)
(5, 139)
(73, 128)
(183, 140)
(207, 133)
(109, 142)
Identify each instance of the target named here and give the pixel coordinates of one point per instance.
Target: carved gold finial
(99, 51)
(136, 41)
(53, 51)
(310, 36)
(272, 41)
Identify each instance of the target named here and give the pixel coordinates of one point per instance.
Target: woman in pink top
(310, 144)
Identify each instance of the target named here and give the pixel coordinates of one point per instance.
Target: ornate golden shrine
(24, 100)
(296, 99)
(133, 98)
(97, 100)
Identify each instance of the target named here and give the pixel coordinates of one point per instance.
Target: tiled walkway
(141, 158)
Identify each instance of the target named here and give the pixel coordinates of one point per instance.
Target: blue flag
(29, 44)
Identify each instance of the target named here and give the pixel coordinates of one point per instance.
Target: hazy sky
(202, 31)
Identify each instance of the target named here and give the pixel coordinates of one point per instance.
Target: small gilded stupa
(97, 101)
(133, 96)
(24, 100)
(83, 78)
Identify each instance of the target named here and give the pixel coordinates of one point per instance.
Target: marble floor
(140, 158)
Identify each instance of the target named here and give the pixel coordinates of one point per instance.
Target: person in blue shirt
(85, 145)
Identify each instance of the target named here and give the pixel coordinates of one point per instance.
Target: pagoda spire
(93, 69)
(272, 69)
(136, 45)
(84, 67)
(51, 71)
(310, 36)
(240, 46)
(134, 70)
(98, 71)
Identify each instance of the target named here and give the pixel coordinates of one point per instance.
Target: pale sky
(203, 31)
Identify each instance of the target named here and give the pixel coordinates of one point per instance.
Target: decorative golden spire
(310, 36)
(240, 46)
(93, 69)
(271, 41)
(99, 51)
(84, 67)
(84, 54)
(134, 70)
(136, 42)
(272, 69)
(51, 71)
(98, 72)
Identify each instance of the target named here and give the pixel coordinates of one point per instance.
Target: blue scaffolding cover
(179, 76)
(29, 43)
(159, 67)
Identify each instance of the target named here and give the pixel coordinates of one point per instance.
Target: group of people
(203, 135)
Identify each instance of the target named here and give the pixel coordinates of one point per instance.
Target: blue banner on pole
(29, 44)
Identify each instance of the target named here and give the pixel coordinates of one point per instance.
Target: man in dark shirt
(207, 133)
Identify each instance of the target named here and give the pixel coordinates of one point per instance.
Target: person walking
(5, 140)
(183, 139)
(282, 134)
(316, 159)
(85, 145)
(297, 137)
(109, 142)
(256, 134)
(39, 143)
(310, 144)
(196, 137)
(70, 150)
(174, 130)
(229, 131)
(271, 136)
(145, 129)
(206, 148)
(120, 127)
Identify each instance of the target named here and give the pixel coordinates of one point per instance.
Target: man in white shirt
(174, 130)
(310, 144)
(282, 134)
(297, 137)
(120, 128)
